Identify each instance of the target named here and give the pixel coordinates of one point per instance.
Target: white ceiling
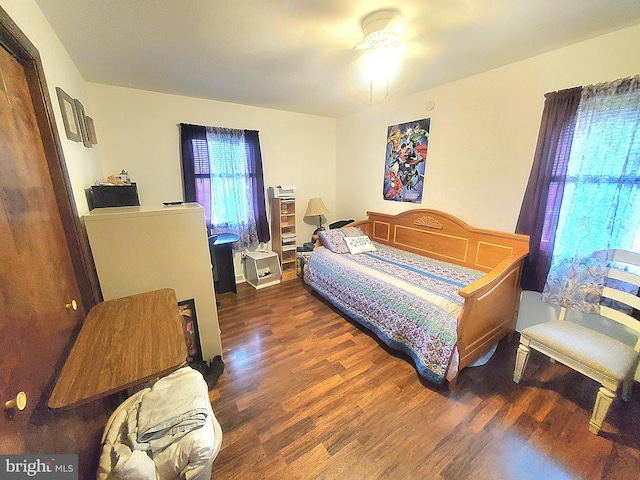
(298, 55)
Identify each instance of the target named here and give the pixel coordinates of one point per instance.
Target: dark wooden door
(38, 285)
(37, 280)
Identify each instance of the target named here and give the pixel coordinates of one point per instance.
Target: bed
(431, 286)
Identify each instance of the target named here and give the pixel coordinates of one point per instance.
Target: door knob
(20, 402)
(72, 306)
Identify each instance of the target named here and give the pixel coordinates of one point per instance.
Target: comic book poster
(406, 161)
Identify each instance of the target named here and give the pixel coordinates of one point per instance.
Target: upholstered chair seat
(596, 353)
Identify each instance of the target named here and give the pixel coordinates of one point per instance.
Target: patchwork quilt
(409, 301)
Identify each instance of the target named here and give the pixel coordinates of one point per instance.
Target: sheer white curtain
(601, 201)
(232, 195)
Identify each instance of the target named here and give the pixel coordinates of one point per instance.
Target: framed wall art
(406, 161)
(82, 120)
(91, 131)
(187, 309)
(69, 116)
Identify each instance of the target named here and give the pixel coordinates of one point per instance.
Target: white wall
(60, 71)
(138, 131)
(483, 133)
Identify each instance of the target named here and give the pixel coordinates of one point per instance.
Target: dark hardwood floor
(306, 394)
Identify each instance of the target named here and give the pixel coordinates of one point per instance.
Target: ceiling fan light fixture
(378, 29)
(382, 37)
(380, 65)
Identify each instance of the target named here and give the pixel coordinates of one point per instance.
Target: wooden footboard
(489, 310)
(491, 303)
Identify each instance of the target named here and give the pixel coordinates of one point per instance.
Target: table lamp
(316, 207)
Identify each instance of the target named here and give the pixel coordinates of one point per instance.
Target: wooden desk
(122, 343)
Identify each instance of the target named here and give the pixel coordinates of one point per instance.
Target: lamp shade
(316, 207)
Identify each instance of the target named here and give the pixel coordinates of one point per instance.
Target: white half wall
(483, 133)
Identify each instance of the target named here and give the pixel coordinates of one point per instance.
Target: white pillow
(359, 244)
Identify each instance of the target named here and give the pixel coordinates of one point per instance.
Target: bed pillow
(334, 239)
(359, 244)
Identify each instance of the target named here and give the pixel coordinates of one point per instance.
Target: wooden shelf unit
(283, 234)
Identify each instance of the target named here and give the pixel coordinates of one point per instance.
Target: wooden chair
(600, 357)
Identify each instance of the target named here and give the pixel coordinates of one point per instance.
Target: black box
(113, 196)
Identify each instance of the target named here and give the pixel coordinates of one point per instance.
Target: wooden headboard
(444, 237)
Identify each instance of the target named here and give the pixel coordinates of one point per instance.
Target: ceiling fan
(382, 33)
(381, 29)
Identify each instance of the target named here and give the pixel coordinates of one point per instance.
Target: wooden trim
(428, 222)
(18, 45)
(430, 243)
(439, 234)
(489, 310)
(381, 231)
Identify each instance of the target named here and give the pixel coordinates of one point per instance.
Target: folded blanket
(175, 405)
(134, 465)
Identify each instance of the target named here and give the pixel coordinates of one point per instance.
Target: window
(601, 201)
(222, 171)
(202, 176)
(584, 191)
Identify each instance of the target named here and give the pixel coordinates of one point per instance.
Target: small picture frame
(91, 130)
(69, 116)
(82, 120)
(189, 321)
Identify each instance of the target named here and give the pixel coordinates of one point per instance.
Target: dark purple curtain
(542, 199)
(188, 133)
(254, 157)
